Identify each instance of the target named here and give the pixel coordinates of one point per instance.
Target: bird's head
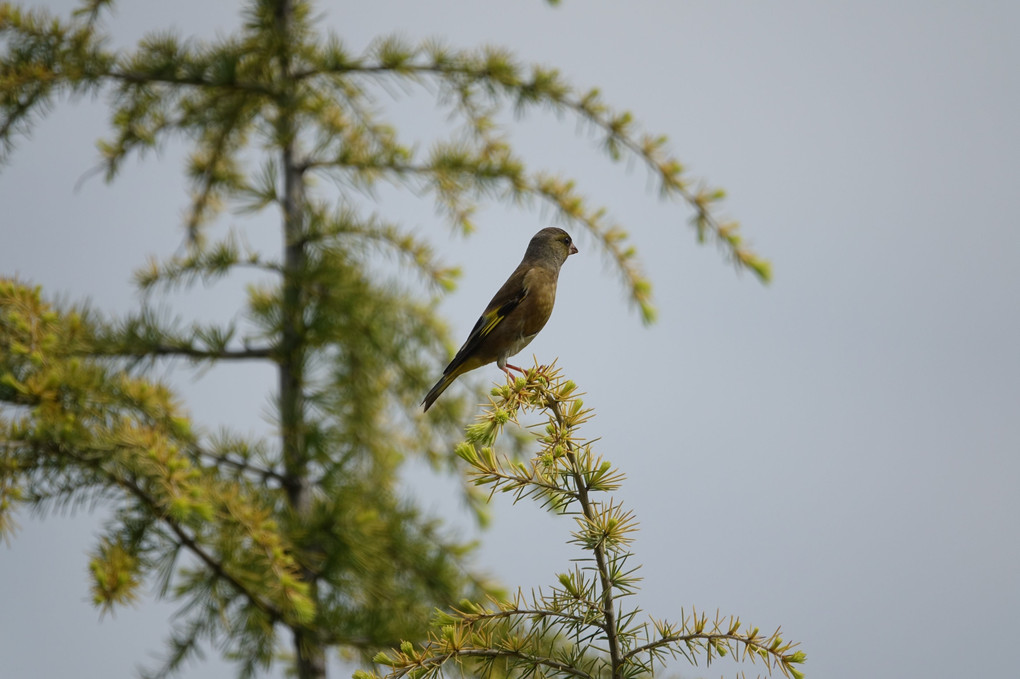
(551, 244)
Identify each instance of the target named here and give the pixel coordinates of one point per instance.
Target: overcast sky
(836, 453)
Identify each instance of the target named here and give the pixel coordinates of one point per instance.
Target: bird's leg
(506, 369)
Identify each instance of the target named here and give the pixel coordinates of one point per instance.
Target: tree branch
(141, 78)
(243, 466)
(435, 661)
(192, 352)
(608, 606)
(187, 540)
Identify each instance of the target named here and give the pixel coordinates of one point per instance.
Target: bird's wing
(501, 306)
(491, 319)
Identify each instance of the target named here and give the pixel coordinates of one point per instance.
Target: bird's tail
(441, 385)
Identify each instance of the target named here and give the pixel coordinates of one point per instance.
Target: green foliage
(304, 533)
(578, 628)
(228, 96)
(76, 430)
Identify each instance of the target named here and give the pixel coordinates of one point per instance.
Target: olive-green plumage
(516, 312)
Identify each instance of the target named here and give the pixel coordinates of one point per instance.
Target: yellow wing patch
(491, 322)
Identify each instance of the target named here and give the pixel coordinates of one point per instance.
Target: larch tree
(301, 541)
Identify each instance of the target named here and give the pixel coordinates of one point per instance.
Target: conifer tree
(267, 544)
(580, 628)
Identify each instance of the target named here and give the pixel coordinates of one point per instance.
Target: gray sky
(836, 453)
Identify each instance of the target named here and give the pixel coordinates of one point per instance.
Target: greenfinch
(516, 312)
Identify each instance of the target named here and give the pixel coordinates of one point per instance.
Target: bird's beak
(573, 250)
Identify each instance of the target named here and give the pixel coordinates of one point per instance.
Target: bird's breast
(539, 302)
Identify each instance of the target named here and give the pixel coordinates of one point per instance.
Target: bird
(516, 313)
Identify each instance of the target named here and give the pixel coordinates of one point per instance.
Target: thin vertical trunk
(308, 648)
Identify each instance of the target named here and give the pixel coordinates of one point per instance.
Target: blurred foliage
(304, 532)
(206, 517)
